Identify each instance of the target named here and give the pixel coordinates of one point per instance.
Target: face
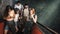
(18, 4)
(26, 6)
(32, 11)
(11, 13)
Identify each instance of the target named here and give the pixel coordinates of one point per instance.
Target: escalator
(43, 29)
(36, 29)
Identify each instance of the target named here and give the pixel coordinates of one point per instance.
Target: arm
(35, 19)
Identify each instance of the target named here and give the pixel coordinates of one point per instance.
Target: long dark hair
(8, 7)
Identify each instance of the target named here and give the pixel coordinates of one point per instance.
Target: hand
(32, 16)
(20, 17)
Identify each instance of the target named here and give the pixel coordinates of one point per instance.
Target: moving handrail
(49, 29)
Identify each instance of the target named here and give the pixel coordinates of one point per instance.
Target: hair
(8, 7)
(25, 5)
(16, 9)
(33, 11)
(17, 2)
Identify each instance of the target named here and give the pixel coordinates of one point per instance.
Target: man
(18, 5)
(27, 27)
(26, 11)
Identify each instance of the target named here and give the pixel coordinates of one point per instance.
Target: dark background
(48, 11)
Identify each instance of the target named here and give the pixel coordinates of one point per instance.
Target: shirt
(19, 7)
(16, 17)
(26, 12)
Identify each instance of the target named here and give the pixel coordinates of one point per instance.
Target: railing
(47, 28)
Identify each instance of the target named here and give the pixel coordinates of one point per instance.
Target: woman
(9, 15)
(33, 16)
(31, 22)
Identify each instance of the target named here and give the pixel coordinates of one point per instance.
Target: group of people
(19, 19)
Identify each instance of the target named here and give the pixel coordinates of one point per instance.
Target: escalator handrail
(49, 29)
